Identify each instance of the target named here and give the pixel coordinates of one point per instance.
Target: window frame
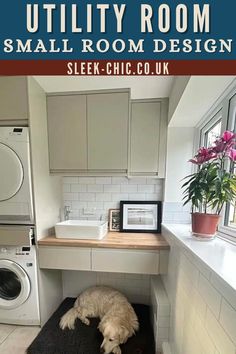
(209, 125)
(220, 111)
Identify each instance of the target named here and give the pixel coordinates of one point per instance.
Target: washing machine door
(11, 173)
(14, 285)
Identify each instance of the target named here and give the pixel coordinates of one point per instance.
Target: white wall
(47, 196)
(179, 150)
(46, 188)
(179, 85)
(203, 307)
(180, 144)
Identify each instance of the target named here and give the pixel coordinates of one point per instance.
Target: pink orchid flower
(203, 155)
(227, 136)
(232, 155)
(225, 143)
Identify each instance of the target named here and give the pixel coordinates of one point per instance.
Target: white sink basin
(81, 229)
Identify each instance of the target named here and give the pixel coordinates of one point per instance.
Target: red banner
(118, 68)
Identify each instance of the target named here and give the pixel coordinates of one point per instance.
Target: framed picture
(114, 220)
(140, 216)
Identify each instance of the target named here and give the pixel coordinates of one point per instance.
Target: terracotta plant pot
(204, 226)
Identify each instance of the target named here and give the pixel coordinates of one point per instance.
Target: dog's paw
(65, 324)
(86, 321)
(116, 350)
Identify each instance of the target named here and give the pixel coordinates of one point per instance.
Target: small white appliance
(19, 303)
(16, 205)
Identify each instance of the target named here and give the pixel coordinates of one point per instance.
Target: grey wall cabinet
(67, 130)
(13, 98)
(88, 132)
(108, 115)
(148, 133)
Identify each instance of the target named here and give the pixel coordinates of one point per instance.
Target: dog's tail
(68, 320)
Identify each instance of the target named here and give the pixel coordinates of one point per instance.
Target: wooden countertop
(123, 240)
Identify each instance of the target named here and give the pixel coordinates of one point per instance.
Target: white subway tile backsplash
(79, 205)
(103, 197)
(228, 320)
(207, 344)
(87, 197)
(130, 188)
(71, 196)
(200, 265)
(137, 196)
(112, 188)
(227, 292)
(190, 271)
(164, 321)
(202, 305)
(163, 332)
(78, 188)
(152, 197)
(199, 305)
(103, 180)
(154, 181)
(120, 180)
(95, 188)
(158, 188)
(70, 180)
(87, 180)
(96, 205)
(210, 295)
(103, 193)
(66, 188)
(75, 282)
(117, 197)
(146, 188)
(138, 180)
(111, 205)
(218, 334)
(175, 213)
(74, 214)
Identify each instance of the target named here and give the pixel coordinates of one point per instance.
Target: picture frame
(140, 216)
(114, 220)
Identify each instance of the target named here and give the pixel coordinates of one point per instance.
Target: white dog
(118, 319)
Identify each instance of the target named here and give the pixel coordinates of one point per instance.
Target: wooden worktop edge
(112, 240)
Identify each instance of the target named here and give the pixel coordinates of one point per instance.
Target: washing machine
(19, 302)
(16, 205)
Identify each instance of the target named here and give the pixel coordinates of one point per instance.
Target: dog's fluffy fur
(118, 319)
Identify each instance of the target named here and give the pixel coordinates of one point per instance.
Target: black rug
(87, 339)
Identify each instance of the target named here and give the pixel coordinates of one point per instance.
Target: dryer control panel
(16, 251)
(14, 134)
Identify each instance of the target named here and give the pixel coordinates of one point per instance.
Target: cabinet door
(13, 98)
(145, 136)
(69, 258)
(125, 261)
(67, 132)
(108, 131)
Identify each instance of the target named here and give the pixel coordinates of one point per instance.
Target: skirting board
(166, 348)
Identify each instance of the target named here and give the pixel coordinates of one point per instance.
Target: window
(212, 134)
(230, 218)
(211, 130)
(224, 119)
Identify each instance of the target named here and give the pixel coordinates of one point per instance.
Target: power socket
(89, 211)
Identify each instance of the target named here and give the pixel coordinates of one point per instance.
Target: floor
(16, 339)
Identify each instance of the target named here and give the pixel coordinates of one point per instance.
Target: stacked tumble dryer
(18, 267)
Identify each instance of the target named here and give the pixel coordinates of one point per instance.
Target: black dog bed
(87, 339)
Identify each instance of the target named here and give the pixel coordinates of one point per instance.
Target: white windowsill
(217, 254)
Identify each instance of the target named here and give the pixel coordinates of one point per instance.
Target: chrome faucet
(67, 212)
